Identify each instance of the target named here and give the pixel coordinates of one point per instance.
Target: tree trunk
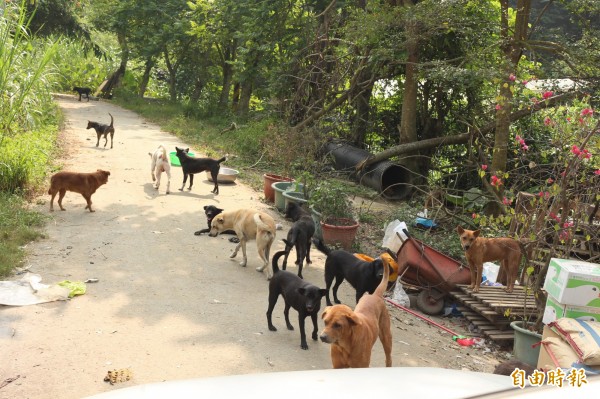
(512, 50)
(172, 76)
(362, 106)
(227, 55)
(146, 77)
(235, 101)
(115, 78)
(408, 122)
(245, 95)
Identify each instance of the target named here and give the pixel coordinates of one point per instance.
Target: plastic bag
(400, 296)
(75, 287)
(490, 270)
(390, 239)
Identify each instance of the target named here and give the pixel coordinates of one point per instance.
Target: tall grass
(18, 226)
(26, 106)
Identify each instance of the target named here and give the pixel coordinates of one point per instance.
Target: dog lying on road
(103, 130)
(352, 334)
(248, 224)
(363, 276)
(479, 250)
(299, 235)
(211, 211)
(160, 163)
(298, 294)
(85, 184)
(191, 165)
(83, 90)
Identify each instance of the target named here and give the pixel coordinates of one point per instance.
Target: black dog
(83, 90)
(363, 276)
(297, 294)
(192, 165)
(300, 235)
(103, 130)
(211, 211)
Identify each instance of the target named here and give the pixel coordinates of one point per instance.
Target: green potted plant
(333, 209)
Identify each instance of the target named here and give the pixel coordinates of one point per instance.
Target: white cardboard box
(555, 310)
(573, 282)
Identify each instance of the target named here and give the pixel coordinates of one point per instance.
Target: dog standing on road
(248, 224)
(298, 294)
(352, 334)
(363, 276)
(191, 165)
(479, 250)
(160, 163)
(299, 235)
(85, 184)
(83, 90)
(103, 130)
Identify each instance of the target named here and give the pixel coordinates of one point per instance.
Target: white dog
(160, 163)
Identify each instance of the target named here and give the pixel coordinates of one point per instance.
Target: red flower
(547, 94)
(506, 201)
(474, 215)
(484, 167)
(498, 106)
(524, 82)
(597, 172)
(512, 77)
(550, 180)
(587, 112)
(547, 121)
(575, 150)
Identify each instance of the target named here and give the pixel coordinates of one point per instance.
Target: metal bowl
(226, 175)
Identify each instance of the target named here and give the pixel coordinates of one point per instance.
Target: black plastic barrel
(392, 181)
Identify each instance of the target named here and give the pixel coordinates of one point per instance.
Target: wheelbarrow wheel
(430, 302)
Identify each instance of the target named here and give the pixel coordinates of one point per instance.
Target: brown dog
(85, 184)
(479, 250)
(248, 224)
(352, 334)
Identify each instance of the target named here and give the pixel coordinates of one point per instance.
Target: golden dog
(85, 184)
(479, 250)
(248, 224)
(352, 334)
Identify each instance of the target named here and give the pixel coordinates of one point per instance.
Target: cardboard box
(573, 282)
(555, 310)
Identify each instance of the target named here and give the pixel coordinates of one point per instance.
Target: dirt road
(168, 304)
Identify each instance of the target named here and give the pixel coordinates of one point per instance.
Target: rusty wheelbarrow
(435, 273)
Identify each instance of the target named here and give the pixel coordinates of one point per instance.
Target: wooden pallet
(492, 309)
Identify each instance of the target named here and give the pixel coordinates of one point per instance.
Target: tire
(430, 302)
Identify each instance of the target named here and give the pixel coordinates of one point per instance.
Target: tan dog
(248, 224)
(85, 184)
(479, 250)
(352, 334)
(160, 163)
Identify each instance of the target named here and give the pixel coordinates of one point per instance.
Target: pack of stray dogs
(351, 333)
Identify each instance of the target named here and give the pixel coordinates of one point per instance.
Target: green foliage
(18, 226)
(76, 67)
(25, 80)
(331, 200)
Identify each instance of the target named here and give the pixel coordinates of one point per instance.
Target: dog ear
(325, 312)
(460, 230)
(476, 233)
(322, 292)
(353, 320)
(186, 150)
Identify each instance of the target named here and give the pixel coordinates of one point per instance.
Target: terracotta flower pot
(339, 231)
(269, 179)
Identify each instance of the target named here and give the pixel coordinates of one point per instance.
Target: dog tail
(164, 153)
(275, 260)
(111, 120)
(384, 280)
(320, 245)
(222, 159)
